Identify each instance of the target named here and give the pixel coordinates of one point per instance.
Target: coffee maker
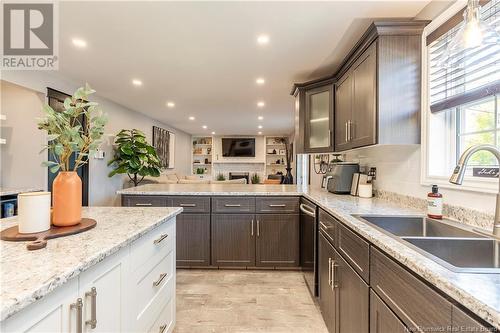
(339, 179)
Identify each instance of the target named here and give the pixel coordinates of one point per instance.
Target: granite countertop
(480, 293)
(27, 276)
(15, 191)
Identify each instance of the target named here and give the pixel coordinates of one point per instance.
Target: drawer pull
(144, 204)
(160, 239)
(187, 205)
(307, 210)
(93, 307)
(232, 205)
(163, 328)
(325, 226)
(78, 305)
(160, 280)
(277, 205)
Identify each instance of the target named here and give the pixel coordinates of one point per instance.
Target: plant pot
(67, 199)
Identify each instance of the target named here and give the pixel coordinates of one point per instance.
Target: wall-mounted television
(238, 147)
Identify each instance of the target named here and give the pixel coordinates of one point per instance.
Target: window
(461, 103)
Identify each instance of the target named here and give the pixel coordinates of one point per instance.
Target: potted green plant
(221, 177)
(134, 156)
(255, 179)
(73, 133)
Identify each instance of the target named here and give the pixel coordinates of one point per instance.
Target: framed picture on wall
(164, 143)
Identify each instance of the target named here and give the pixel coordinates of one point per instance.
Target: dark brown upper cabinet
(377, 92)
(318, 127)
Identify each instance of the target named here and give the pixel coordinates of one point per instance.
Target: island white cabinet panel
(52, 314)
(102, 291)
(132, 290)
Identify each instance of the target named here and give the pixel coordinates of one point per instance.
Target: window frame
(473, 184)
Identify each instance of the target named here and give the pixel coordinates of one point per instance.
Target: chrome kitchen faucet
(458, 176)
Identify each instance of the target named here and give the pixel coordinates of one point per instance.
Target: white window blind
(451, 86)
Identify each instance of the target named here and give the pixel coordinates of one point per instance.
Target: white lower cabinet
(131, 291)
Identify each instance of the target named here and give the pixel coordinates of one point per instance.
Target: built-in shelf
(202, 152)
(272, 145)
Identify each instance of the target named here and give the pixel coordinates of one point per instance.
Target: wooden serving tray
(39, 239)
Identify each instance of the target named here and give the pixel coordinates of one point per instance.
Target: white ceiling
(204, 55)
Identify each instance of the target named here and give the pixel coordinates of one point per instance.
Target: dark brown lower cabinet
(353, 298)
(327, 293)
(277, 242)
(233, 240)
(193, 240)
(382, 319)
(344, 296)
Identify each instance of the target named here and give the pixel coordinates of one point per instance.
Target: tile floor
(245, 301)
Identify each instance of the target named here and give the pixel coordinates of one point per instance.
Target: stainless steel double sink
(455, 247)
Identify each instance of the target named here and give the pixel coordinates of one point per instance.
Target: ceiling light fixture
(475, 33)
(260, 133)
(213, 133)
(260, 81)
(260, 118)
(261, 104)
(260, 126)
(170, 104)
(204, 126)
(192, 118)
(263, 39)
(137, 82)
(79, 42)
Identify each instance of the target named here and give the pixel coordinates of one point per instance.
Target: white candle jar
(33, 210)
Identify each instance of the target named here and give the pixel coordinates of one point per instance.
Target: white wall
(102, 190)
(398, 170)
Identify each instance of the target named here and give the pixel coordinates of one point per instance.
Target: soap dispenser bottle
(435, 203)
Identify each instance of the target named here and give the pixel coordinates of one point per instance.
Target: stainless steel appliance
(341, 177)
(308, 241)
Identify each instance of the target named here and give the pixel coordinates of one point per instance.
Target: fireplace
(240, 175)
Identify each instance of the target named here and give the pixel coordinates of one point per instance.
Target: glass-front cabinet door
(319, 119)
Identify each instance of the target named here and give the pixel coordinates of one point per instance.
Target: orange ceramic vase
(67, 199)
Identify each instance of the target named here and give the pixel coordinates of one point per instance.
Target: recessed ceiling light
(79, 42)
(260, 117)
(263, 39)
(261, 104)
(260, 81)
(204, 126)
(213, 133)
(192, 118)
(260, 126)
(260, 133)
(170, 104)
(137, 82)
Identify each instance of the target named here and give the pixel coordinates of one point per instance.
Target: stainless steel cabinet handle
(252, 227)
(334, 274)
(324, 225)
(160, 280)
(350, 130)
(187, 205)
(160, 239)
(232, 205)
(307, 210)
(329, 271)
(277, 205)
(78, 305)
(93, 307)
(163, 328)
(347, 131)
(258, 228)
(144, 204)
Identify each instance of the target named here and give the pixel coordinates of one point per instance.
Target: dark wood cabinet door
(462, 322)
(382, 319)
(233, 240)
(363, 123)
(277, 242)
(327, 301)
(193, 239)
(319, 119)
(353, 298)
(343, 112)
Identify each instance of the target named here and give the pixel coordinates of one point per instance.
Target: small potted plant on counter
(73, 133)
(221, 177)
(134, 156)
(255, 179)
